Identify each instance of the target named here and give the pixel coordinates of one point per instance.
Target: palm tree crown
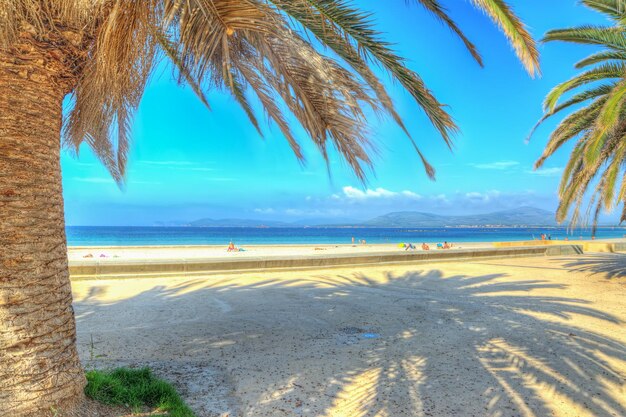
(598, 127)
(103, 52)
(250, 48)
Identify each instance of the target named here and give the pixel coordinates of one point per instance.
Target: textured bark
(39, 367)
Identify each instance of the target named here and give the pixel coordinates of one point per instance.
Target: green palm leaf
(601, 56)
(249, 48)
(597, 162)
(612, 8)
(611, 37)
(602, 72)
(515, 30)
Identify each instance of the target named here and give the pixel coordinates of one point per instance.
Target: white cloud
(264, 210)
(411, 194)
(475, 196)
(498, 165)
(482, 197)
(546, 172)
(353, 193)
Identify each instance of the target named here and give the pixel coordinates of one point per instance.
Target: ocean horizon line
(166, 236)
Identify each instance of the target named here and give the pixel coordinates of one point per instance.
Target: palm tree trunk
(40, 372)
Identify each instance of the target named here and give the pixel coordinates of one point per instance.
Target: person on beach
(446, 245)
(425, 246)
(231, 247)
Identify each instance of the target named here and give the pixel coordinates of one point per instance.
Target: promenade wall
(152, 268)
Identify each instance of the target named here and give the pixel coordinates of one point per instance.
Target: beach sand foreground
(508, 337)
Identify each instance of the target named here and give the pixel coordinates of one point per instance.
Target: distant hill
(523, 216)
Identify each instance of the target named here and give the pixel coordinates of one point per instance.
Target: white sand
(220, 252)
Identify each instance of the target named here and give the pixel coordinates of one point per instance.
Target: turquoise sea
(139, 236)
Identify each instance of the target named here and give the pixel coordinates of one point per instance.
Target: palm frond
(249, 48)
(112, 83)
(515, 30)
(611, 37)
(602, 72)
(334, 38)
(356, 26)
(611, 111)
(600, 154)
(440, 12)
(612, 8)
(572, 126)
(238, 89)
(266, 96)
(579, 98)
(326, 99)
(601, 56)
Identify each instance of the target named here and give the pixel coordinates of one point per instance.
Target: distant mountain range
(526, 216)
(523, 216)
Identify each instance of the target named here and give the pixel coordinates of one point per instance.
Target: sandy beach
(220, 252)
(121, 253)
(508, 337)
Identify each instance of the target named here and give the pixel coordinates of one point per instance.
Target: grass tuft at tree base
(136, 389)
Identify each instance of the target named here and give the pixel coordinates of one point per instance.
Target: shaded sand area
(534, 336)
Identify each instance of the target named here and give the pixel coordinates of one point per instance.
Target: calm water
(137, 236)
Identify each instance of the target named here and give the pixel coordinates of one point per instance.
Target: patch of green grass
(135, 389)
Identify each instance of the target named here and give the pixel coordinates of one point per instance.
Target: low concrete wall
(598, 246)
(520, 243)
(562, 250)
(587, 245)
(106, 269)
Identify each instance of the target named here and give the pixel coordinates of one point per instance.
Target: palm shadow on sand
(460, 345)
(609, 265)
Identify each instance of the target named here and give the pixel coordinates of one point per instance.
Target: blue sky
(188, 162)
